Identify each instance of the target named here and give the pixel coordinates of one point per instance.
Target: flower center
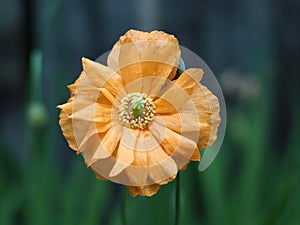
(137, 110)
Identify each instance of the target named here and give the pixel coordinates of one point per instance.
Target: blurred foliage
(255, 178)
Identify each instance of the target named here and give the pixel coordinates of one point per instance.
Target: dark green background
(253, 48)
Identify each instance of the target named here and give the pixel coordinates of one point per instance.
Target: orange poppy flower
(132, 122)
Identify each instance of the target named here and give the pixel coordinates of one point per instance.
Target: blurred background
(253, 48)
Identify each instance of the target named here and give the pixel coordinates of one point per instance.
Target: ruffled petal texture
(140, 54)
(65, 121)
(186, 116)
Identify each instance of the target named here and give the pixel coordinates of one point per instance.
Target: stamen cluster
(137, 110)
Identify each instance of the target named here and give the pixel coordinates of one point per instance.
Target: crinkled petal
(175, 145)
(94, 118)
(180, 122)
(196, 156)
(139, 54)
(73, 87)
(104, 101)
(161, 165)
(146, 142)
(208, 108)
(96, 146)
(107, 146)
(137, 173)
(152, 164)
(66, 125)
(89, 106)
(102, 76)
(142, 166)
(93, 113)
(148, 190)
(65, 121)
(170, 102)
(98, 176)
(125, 153)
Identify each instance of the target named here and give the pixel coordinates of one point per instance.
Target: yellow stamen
(137, 110)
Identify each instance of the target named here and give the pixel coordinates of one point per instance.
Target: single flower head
(131, 121)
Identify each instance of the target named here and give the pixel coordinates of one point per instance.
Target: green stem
(123, 216)
(177, 200)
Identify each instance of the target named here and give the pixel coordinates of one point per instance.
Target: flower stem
(123, 212)
(177, 200)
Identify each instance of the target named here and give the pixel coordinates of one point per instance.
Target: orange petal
(102, 127)
(93, 113)
(94, 118)
(107, 145)
(91, 139)
(102, 76)
(98, 176)
(146, 142)
(181, 123)
(66, 124)
(96, 146)
(169, 102)
(208, 109)
(139, 54)
(137, 36)
(72, 87)
(125, 153)
(196, 156)
(150, 165)
(65, 121)
(129, 137)
(85, 93)
(178, 147)
(137, 173)
(161, 166)
(88, 106)
(107, 95)
(124, 158)
(90, 142)
(143, 190)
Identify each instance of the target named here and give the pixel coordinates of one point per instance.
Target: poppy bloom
(131, 121)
